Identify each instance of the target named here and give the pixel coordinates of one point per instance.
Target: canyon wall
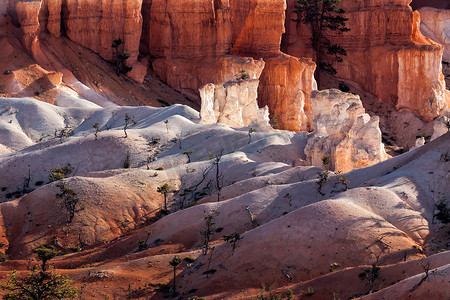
(93, 24)
(386, 54)
(199, 42)
(191, 43)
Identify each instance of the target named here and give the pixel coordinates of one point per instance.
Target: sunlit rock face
(191, 41)
(386, 53)
(233, 103)
(344, 136)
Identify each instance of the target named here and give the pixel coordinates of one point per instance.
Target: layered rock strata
(92, 24)
(386, 53)
(233, 103)
(344, 136)
(191, 41)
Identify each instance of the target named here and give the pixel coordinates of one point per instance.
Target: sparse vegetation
(443, 211)
(121, 57)
(174, 263)
(70, 201)
(164, 190)
(97, 128)
(426, 270)
(250, 131)
(326, 162)
(58, 174)
(322, 16)
(167, 125)
(40, 284)
(63, 133)
(371, 275)
(268, 294)
(216, 162)
(128, 120)
(127, 161)
(232, 239)
(188, 154)
(243, 75)
(445, 157)
(322, 179)
(189, 259)
(208, 230)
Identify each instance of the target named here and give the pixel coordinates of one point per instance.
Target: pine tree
(121, 57)
(323, 15)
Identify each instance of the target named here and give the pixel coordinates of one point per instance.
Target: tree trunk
(165, 201)
(174, 280)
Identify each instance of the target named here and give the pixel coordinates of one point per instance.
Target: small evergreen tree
(188, 154)
(39, 285)
(164, 190)
(121, 57)
(70, 201)
(323, 15)
(128, 120)
(232, 239)
(97, 128)
(174, 263)
(208, 230)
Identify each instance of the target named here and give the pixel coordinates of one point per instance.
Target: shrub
(39, 284)
(58, 174)
(127, 161)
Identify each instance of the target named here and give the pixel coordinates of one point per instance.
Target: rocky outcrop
(386, 52)
(92, 24)
(286, 84)
(435, 24)
(26, 15)
(233, 103)
(344, 136)
(191, 45)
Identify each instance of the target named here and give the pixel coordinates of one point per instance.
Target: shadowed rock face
(435, 24)
(442, 4)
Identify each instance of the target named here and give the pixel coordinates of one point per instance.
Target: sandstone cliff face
(233, 103)
(435, 24)
(386, 53)
(286, 84)
(343, 132)
(92, 24)
(27, 15)
(191, 41)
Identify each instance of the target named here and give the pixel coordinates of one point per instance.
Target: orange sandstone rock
(286, 84)
(191, 41)
(386, 54)
(92, 24)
